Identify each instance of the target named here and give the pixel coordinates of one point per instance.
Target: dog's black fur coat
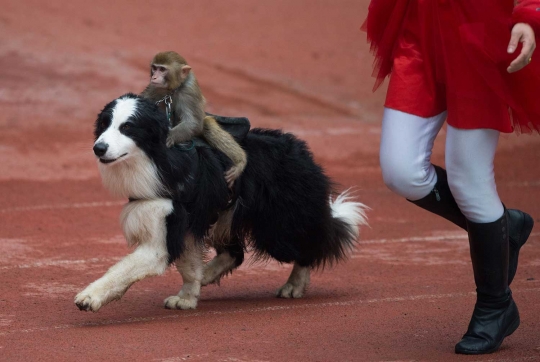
(281, 201)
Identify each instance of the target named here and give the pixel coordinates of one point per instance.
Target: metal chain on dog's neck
(168, 105)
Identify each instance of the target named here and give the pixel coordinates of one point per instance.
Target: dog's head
(127, 126)
(130, 135)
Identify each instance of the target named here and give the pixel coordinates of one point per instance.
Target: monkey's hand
(182, 132)
(233, 173)
(170, 140)
(173, 138)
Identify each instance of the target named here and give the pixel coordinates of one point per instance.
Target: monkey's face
(169, 75)
(159, 76)
(126, 128)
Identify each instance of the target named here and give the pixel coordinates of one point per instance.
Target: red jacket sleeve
(528, 11)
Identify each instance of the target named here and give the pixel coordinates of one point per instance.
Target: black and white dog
(180, 204)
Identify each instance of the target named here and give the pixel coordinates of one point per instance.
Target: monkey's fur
(174, 77)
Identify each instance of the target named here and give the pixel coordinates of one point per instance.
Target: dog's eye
(126, 126)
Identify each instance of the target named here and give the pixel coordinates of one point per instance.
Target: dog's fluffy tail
(347, 217)
(350, 212)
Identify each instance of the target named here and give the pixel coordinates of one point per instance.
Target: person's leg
(405, 157)
(469, 162)
(406, 144)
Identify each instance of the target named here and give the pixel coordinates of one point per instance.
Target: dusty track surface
(406, 293)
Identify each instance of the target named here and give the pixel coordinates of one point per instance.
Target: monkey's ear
(184, 71)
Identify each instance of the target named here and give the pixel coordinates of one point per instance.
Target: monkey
(173, 85)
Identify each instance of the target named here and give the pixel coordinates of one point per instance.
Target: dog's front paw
(88, 301)
(181, 302)
(98, 294)
(291, 291)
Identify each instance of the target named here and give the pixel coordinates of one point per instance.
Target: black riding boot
(441, 202)
(495, 314)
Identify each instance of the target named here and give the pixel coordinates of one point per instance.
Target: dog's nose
(100, 148)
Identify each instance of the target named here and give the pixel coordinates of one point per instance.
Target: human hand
(521, 33)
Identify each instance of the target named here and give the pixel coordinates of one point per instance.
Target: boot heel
(513, 327)
(520, 227)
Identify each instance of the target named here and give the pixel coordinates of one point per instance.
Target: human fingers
(525, 57)
(514, 39)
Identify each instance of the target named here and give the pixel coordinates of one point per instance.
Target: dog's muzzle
(100, 149)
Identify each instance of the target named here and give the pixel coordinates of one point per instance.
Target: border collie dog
(179, 205)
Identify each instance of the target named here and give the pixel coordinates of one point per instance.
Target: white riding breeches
(405, 156)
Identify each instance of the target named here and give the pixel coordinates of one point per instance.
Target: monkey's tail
(222, 140)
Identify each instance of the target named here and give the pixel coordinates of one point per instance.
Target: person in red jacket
(469, 63)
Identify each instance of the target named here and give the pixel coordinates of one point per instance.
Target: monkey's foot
(232, 174)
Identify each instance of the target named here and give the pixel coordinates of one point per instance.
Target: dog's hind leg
(296, 284)
(230, 250)
(190, 266)
(225, 261)
(216, 268)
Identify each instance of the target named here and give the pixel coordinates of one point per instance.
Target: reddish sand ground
(406, 293)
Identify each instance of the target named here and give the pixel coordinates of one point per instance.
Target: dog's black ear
(238, 127)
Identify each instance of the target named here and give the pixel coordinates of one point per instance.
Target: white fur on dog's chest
(135, 177)
(143, 220)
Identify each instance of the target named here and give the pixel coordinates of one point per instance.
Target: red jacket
(484, 32)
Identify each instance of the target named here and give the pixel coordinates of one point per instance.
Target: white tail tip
(351, 212)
